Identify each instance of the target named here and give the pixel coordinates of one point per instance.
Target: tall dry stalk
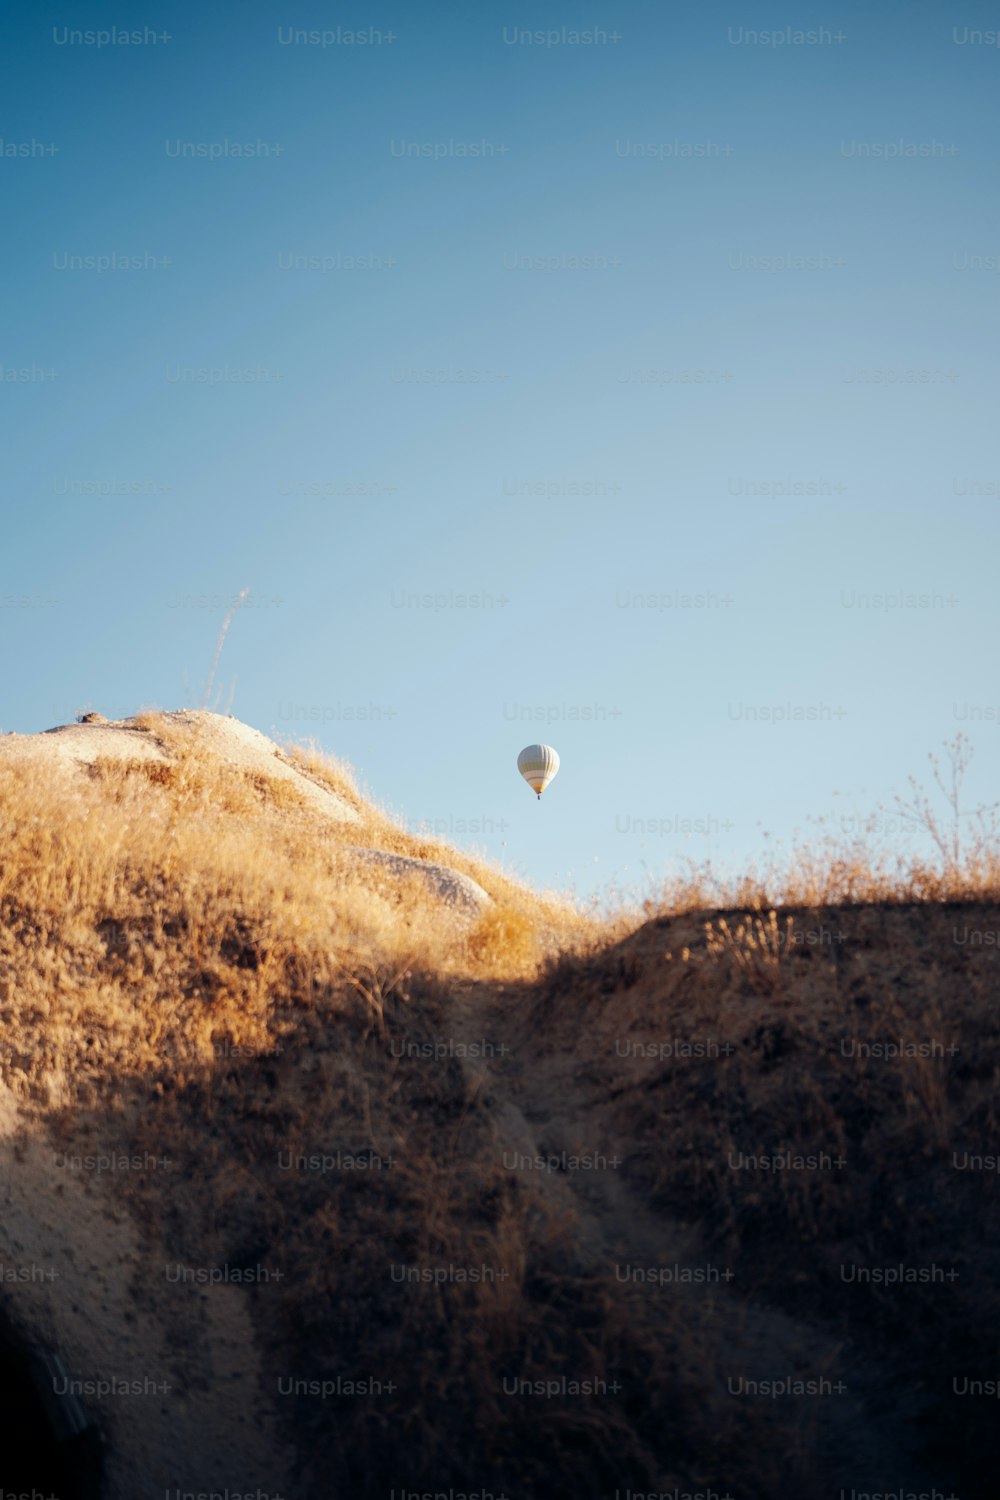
(953, 842)
(219, 645)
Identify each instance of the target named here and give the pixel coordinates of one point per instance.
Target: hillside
(379, 1172)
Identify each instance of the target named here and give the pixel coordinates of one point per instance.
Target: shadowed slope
(389, 1195)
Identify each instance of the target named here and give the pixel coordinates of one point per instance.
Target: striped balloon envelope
(538, 764)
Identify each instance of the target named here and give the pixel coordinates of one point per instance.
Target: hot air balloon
(538, 764)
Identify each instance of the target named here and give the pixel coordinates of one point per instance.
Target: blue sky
(566, 373)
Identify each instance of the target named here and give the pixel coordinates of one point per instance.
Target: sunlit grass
(157, 918)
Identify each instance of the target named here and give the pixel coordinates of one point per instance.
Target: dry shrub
(507, 937)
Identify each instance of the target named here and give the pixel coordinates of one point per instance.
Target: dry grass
(155, 917)
(826, 1034)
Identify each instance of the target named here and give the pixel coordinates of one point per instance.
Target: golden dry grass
(188, 967)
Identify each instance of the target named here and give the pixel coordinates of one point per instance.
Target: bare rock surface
(233, 742)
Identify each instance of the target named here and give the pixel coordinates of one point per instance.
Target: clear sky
(547, 323)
